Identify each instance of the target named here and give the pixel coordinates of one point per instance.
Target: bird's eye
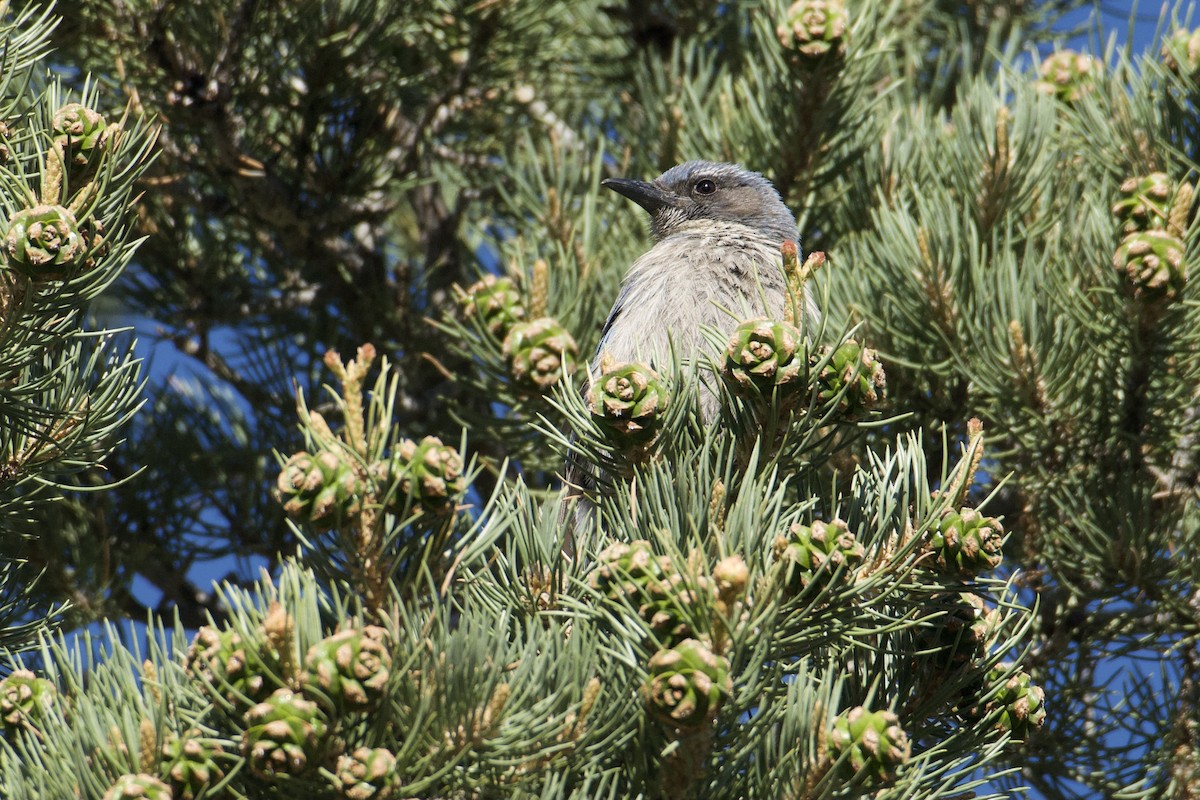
(705, 187)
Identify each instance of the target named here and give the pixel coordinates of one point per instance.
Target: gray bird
(716, 261)
(717, 231)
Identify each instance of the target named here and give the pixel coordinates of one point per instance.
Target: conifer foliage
(925, 546)
(67, 176)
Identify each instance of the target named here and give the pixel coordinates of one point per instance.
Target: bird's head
(699, 191)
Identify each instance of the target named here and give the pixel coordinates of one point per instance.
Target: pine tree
(936, 544)
(67, 385)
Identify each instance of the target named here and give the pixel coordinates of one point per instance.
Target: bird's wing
(617, 308)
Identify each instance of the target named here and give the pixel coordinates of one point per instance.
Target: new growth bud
(815, 28)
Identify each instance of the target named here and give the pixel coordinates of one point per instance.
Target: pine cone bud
(622, 568)
(191, 762)
(764, 354)
(138, 787)
(540, 354)
(668, 606)
(1145, 203)
(732, 576)
(237, 670)
(322, 490)
(872, 742)
(629, 400)
(687, 685)
(81, 132)
(815, 28)
(350, 668)
(633, 575)
(1020, 703)
(956, 638)
(1068, 76)
(366, 774)
(1181, 53)
(1153, 262)
(284, 735)
(852, 377)
(812, 555)
(431, 475)
(966, 543)
(24, 700)
(43, 243)
(496, 301)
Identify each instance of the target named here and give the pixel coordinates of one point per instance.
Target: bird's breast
(711, 277)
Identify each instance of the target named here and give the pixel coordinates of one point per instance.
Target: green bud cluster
(192, 764)
(81, 132)
(366, 774)
(1144, 203)
(284, 735)
(43, 243)
(872, 744)
(763, 355)
(686, 685)
(966, 543)
(1068, 76)
(1153, 264)
(812, 555)
(852, 377)
(24, 700)
(237, 670)
(629, 401)
(140, 786)
(349, 669)
(288, 711)
(814, 29)
(958, 637)
(540, 353)
(1019, 706)
(431, 474)
(322, 490)
(495, 301)
(1181, 53)
(662, 596)
(1151, 212)
(328, 489)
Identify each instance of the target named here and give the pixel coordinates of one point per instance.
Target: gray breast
(710, 277)
(687, 281)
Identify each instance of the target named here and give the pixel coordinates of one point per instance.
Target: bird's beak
(646, 195)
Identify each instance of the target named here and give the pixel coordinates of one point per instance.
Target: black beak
(646, 195)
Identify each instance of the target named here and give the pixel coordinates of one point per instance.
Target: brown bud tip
(815, 261)
(732, 575)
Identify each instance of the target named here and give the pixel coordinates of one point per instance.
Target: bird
(716, 260)
(717, 230)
